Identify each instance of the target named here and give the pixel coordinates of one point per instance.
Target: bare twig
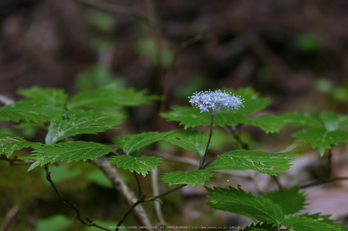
(165, 193)
(111, 172)
(129, 211)
(8, 217)
(15, 161)
(233, 132)
(112, 8)
(275, 178)
(322, 181)
(140, 193)
(69, 204)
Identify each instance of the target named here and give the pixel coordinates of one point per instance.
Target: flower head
(215, 100)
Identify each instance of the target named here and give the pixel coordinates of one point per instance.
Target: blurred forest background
(293, 51)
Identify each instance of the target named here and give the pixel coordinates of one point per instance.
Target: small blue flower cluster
(215, 100)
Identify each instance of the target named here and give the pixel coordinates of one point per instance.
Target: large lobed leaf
(108, 98)
(268, 123)
(237, 201)
(141, 165)
(321, 138)
(30, 110)
(136, 143)
(49, 95)
(68, 151)
(190, 140)
(307, 223)
(264, 162)
(192, 117)
(80, 122)
(9, 143)
(290, 200)
(191, 177)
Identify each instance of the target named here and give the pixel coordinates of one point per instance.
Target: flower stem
(202, 160)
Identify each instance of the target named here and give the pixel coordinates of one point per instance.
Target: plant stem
(233, 132)
(129, 211)
(165, 193)
(140, 193)
(202, 160)
(329, 162)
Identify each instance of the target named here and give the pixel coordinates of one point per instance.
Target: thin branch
(169, 73)
(275, 178)
(233, 132)
(8, 217)
(111, 172)
(140, 193)
(329, 163)
(129, 211)
(202, 160)
(69, 204)
(165, 193)
(155, 190)
(322, 181)
(15, 161)
(113, 8)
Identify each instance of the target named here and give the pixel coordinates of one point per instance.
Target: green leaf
(333, 121)
(192, 117)
(108, 97)
(304, 223)
(10, 143)
(192, 177)
(237, 201)
(136, 143)
(321, 138)
(296, 119)
(49, 95)
(290, 200)
(322, 218)
(80, 122)
(264, 162)
(190, 140)
(55, 223)
(141, 165)
(252, 101)
(268, 123)
(30, 110)
(69, 151)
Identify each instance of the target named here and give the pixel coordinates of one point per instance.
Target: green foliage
(192, 117)
(261, 227)
(264, 162)
(79, 122)
(268, 123)
(141, 165)
(10, 143)
(49, 95)
(290, 200)
(55, 223)
(190, 140)
(237, 201)
(192, 177)
(104, 97)
(30, 110)
(150, 48)
(68, 151)
(136, 143)
(305, 223)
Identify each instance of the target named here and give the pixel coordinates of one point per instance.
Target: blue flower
(213, 101)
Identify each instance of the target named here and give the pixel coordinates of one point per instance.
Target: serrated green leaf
(261, 227)
(30, 110)
(190, 140)
(296, 119)
(321, 138)
(136, 143)
(192, 117)
(237, 201)
(49, 95)
(108, 97)
(80, 122)
(252, 101)
(333, 121)
(141, 165)
(268, 123)
(10, 143)
(304, 223)
(69, 151)
(192, 177)
(290, 200)
(264, 162)
(322, 218)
